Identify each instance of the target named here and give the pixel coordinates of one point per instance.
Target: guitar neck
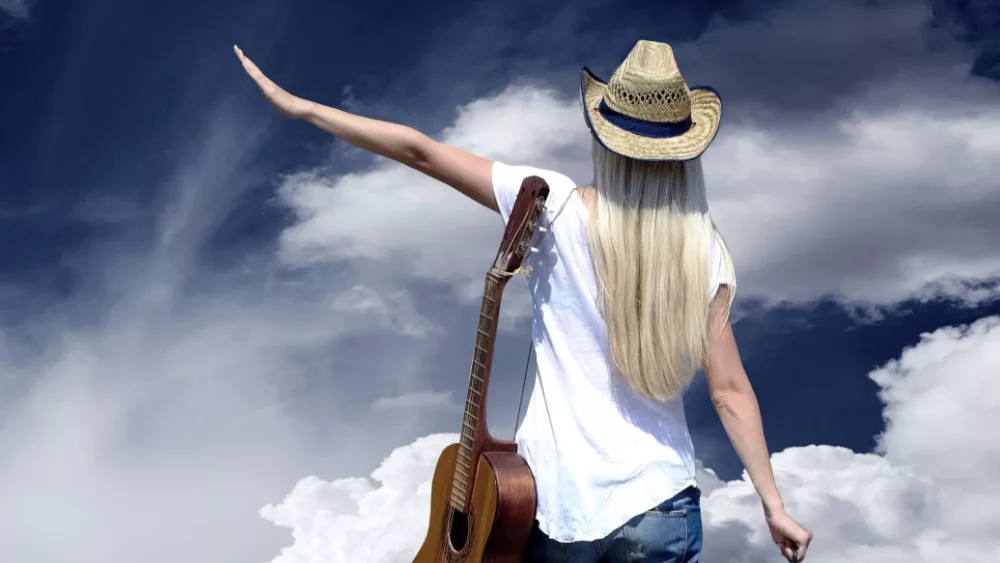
(473, 421)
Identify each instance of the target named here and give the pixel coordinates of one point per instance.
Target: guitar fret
(496, 278)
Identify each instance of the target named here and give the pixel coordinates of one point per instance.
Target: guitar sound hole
(458, 534)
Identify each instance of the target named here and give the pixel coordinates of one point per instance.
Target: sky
(228, 336)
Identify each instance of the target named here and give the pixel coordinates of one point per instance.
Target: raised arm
(468, 173)
(736, 404)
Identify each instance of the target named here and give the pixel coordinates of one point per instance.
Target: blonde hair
(651, 237)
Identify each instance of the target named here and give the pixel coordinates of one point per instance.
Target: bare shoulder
(588, 194)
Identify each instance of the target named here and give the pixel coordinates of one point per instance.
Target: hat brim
(706, 114)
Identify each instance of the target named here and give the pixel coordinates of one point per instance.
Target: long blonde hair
(651, 237)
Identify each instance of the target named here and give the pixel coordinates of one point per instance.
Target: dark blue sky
(101, 97)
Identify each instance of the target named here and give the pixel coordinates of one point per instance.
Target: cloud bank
(885, 195)
(926, 496)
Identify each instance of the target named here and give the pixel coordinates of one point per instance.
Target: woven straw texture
(649, 86)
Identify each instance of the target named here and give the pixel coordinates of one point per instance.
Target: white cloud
(863, 212)
(358, 520)
(394, 311)
(891, 201)
(929, 497)
(151, 426)
(391, 213)
(148, 417)
(420, 399)
(16, 8)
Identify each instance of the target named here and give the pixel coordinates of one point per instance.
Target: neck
(474, 419)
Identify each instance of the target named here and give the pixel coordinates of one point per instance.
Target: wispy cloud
(165, 399)
(395, 311)
(16, 8)
(420, 399)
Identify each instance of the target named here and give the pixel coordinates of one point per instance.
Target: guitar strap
(527, 361)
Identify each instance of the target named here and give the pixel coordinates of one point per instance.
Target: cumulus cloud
(884, 196)
(391, 213)
(379, 519)
(862, 212)
(928, 495)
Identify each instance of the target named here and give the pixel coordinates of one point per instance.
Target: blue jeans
(669, 533)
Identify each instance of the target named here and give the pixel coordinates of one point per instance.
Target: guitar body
(483, 494)
(500, 517)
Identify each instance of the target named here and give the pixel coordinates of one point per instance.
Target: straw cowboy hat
(646, 111)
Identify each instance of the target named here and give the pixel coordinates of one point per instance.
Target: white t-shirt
(600, 453)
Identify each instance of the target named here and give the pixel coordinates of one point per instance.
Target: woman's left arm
(468, 173)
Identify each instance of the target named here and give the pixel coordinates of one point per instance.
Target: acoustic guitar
(483, 493)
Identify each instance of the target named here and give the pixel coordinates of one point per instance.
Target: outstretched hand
(286, 103)
(790, 536)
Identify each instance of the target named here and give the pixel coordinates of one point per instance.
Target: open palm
(286, 103)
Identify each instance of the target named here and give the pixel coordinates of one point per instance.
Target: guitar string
(527, 362)
(524, 270)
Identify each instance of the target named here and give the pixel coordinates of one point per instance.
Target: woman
(632, 290)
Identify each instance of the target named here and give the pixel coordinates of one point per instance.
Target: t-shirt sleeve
(507, 181)
(723, 270)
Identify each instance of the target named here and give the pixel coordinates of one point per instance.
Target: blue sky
(202, 303)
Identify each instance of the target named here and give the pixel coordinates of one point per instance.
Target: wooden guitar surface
(483, 493)
(501, 515)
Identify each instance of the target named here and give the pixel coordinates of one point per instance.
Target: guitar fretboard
(476, 399)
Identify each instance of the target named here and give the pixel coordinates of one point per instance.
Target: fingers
(792, 550)
(249, 66)
(803, 545)
(800, 553)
